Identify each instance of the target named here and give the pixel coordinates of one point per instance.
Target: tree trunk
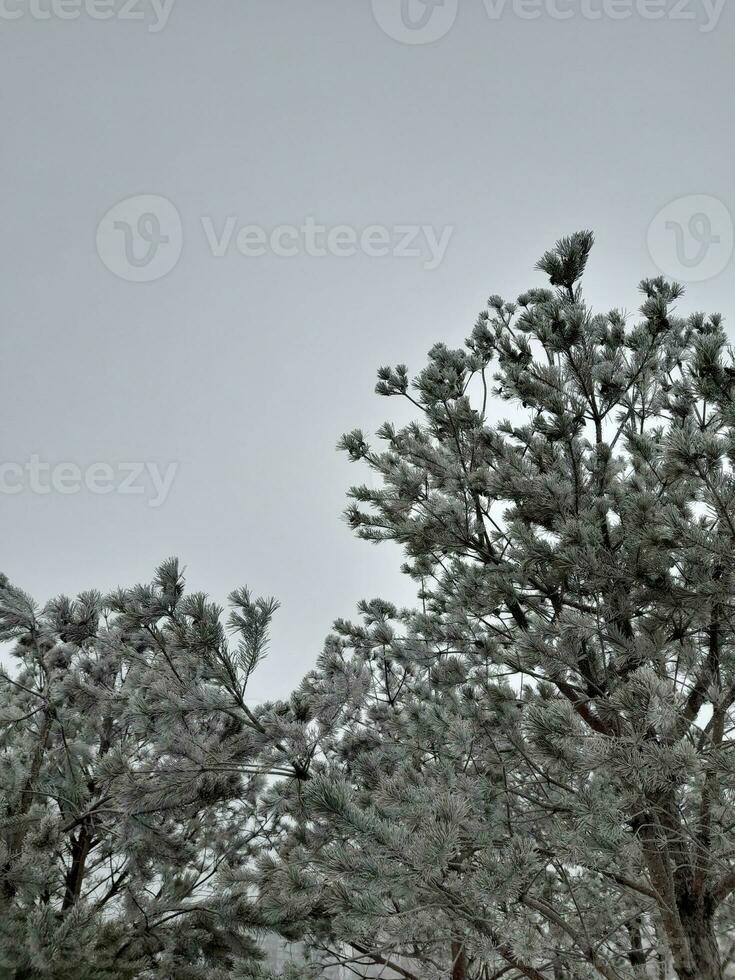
(687, 912)
(705, 961)
(75, 876)
(459, 962)
(637, 955)
(664, 966)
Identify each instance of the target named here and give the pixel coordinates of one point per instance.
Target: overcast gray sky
(391, 167)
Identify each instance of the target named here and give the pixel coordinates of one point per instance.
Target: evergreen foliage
(129, 773)
(531, 774)
(528, 775)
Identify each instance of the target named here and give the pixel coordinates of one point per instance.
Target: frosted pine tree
(528, 776)
(533, 775)
(128, 781)
(422, 841)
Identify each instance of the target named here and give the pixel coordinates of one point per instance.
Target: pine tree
(527, 776)
(128, 782)
(531, 775)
